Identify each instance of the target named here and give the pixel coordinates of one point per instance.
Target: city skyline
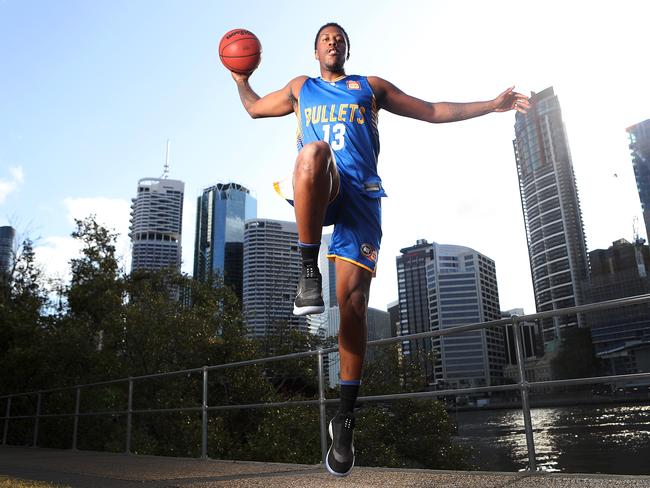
(98, 127)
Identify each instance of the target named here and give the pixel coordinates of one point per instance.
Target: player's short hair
(334, 24)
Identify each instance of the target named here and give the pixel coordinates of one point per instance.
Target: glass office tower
(221, 212)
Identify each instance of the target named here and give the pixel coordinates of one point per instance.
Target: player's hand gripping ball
(240, 51)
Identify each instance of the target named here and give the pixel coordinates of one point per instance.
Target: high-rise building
(639, 136)
(441, 287)
(551, 208)
(7, 236)
(621, 336)
(221, 211)
(378, 328)
(530, 337)
(156, 224)
(393, 312)
(272, 267)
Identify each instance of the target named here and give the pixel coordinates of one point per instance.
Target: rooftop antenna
(635, 230)
(638, 245)
(166, 169)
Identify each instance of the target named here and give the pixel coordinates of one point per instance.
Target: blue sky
(91, 90)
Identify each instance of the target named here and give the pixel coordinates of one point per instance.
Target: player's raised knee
(314, 157)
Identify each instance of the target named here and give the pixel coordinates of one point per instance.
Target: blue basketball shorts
(357, 226)
(357, 223)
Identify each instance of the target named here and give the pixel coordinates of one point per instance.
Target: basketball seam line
(241, 39)
(239, 57)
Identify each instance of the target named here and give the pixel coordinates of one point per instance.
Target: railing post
(76, 420)
(129, 417)
(525, 403)
(36, 420)
(321, 405)
(204, 416)
(6, 429)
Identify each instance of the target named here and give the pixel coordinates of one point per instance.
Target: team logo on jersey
(370, 252)
(353, 85)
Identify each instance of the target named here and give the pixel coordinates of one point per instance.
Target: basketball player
(335, 181)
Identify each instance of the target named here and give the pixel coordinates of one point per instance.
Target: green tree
(22, 324)
(87, 335)
(404, 433)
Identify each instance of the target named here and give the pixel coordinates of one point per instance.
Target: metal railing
(523, 385)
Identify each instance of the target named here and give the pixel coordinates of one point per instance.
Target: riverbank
(565, 401)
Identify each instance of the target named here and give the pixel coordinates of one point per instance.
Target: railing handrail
(523, 385)
(590, 307)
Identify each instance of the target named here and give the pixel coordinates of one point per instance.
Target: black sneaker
(340, 457)
(309, 298)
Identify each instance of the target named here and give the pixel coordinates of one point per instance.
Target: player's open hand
(511, 100)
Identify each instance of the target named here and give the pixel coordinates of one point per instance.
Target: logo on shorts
(353, 85)
(369, 252)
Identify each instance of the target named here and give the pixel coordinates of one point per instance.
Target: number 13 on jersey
(337, 135)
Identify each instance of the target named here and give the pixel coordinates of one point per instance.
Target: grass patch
(7, 482)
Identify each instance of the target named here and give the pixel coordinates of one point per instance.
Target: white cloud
(8, 186)
(54, 253)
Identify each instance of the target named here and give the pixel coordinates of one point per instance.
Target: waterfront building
(639, 137)
(551, 208)
(621, 336)
(443, 286)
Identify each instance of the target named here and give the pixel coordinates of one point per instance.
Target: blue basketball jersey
(343, 113)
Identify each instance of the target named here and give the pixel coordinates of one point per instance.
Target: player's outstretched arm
(396, 101)
(275, 104)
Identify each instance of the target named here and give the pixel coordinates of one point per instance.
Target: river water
(581, 439)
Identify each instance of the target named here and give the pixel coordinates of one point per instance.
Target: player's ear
(315, 54)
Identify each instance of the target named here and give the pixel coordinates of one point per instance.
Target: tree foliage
(404, 433)
(107, 325)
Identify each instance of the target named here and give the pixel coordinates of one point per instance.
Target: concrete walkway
(84, 469)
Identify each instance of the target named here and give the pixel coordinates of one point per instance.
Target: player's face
(331, 49)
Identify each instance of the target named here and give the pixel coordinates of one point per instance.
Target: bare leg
(352, 293)
(315, 184)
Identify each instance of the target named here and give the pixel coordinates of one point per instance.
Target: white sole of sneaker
(310, 310)
(327, 465)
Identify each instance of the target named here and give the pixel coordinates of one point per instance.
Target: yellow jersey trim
(299, 128)
(276, 187)
(334, 256)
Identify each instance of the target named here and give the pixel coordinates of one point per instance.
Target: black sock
(309, 253)
(349, 393)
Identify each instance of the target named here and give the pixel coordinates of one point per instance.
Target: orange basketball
(240, 51)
